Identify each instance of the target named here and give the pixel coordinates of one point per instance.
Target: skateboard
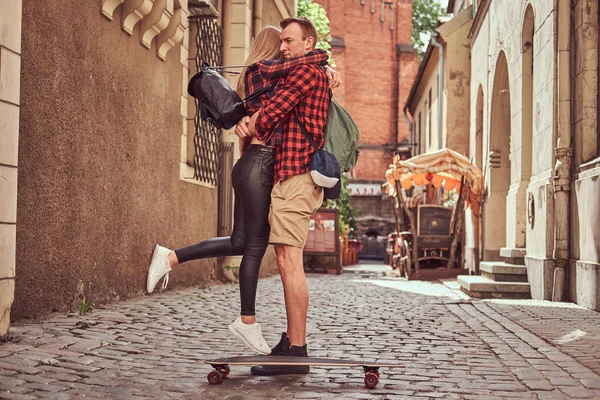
(221, 366)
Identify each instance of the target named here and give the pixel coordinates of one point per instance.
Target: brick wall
(368, 63)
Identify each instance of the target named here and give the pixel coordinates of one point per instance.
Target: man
(302, 95)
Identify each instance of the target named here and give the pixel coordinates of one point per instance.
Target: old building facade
(442, 121)
(529, 120)
(534, 127)
(102, 154)
(372, 49)
(438, 103)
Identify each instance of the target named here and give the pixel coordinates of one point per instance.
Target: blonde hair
(266, 47)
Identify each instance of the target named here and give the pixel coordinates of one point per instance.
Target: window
(203, 140)
(425, 144)
(430, 130)
(420, 137)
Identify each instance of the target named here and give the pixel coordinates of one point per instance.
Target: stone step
(485, 288)
(499, 267)
(503, 272)
(514, 255)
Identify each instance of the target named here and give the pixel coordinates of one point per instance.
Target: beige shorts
(293, 202)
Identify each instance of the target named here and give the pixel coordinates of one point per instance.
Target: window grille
(207, 138)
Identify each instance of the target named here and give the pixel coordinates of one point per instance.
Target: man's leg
(295, 289)
(293, 201)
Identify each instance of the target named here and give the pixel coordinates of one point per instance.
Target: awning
(443, 167)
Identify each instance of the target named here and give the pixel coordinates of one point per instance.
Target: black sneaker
(284, 343)
(294, 351)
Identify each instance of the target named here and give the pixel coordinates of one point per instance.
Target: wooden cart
(436, 250)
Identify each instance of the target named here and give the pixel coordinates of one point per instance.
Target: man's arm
(298, 83)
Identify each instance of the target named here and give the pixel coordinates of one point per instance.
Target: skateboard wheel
(215, 377)
(371, 380)
(374, 371)
(226, 371)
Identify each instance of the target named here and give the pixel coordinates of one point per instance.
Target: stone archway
(524, 147)
(479, 156)
(479, 151)
(499, 168)
(474, 255)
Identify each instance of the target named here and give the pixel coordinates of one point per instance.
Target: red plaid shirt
(262, 73)
(305, 92)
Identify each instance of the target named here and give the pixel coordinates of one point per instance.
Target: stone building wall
(515, 126)
(96, 98)
(10, 102)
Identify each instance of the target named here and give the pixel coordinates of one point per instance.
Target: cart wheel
(215, 377)
(408, 262)
(371, 380)
(226, 371)
(394, 256)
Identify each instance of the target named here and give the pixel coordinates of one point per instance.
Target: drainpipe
(434, 41)
(561, 178)
(410, 131)
(395, 99)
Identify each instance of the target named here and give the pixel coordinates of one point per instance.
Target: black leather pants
(252, 178)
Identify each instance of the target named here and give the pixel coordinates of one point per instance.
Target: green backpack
(341, 136)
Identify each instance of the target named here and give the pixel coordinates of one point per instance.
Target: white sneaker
(251, 334)
(159, 267)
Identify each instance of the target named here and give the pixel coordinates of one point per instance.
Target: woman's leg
(253, 183)
(216, 247)
(256, 192)
(163, 259)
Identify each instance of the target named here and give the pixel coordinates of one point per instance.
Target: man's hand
(252, 123)
(241, 129)
(335, 78)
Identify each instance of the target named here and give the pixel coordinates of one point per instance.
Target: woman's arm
(334, 77)
(275, 69)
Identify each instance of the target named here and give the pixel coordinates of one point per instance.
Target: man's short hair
(308, 28)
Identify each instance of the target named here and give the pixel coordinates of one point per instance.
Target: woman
(252, 178)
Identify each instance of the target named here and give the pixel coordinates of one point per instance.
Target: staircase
(505, 279)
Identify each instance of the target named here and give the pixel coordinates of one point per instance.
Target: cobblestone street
(450, 347)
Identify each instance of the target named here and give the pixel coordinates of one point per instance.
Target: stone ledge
(173, 34)
(163, 21)
(499, 267)
(512, 253)
(337, 42)
(186, 174)
(156, 21)
(133, 12)
(109, 7)
(589, 170)
(474, 283)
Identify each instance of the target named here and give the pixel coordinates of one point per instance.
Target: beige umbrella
(443, 167)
